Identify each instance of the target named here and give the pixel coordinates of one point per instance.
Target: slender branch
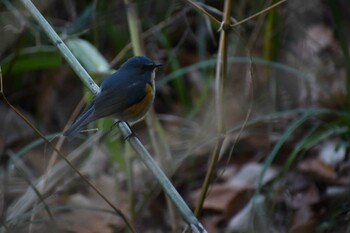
(221, 71)
(169, 189)
(196, 6)
(57, 41)
(123, 126)
(257, 14)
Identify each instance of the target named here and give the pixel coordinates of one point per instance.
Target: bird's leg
(132, 134)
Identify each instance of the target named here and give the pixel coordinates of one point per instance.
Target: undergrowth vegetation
(250, 120)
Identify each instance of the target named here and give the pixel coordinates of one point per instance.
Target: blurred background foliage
(293, 56)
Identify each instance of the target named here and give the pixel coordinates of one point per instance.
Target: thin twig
(259, 13)
(221, 73)
(196, 6)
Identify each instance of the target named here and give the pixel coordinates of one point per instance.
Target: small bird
(126, 95)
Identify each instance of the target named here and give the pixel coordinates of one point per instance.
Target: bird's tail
(78, 124)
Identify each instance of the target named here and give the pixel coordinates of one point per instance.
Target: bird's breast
(138, 110)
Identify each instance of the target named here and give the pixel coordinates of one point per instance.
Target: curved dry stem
(221, 73)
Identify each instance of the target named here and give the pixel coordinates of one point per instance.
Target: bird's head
(140, 63)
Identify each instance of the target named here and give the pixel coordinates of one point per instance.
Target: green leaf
(88, 56)
(32, 58)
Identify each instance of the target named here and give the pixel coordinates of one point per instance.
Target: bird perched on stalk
(126, 95)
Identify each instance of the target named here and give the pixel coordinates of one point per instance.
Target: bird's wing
(113, 100)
